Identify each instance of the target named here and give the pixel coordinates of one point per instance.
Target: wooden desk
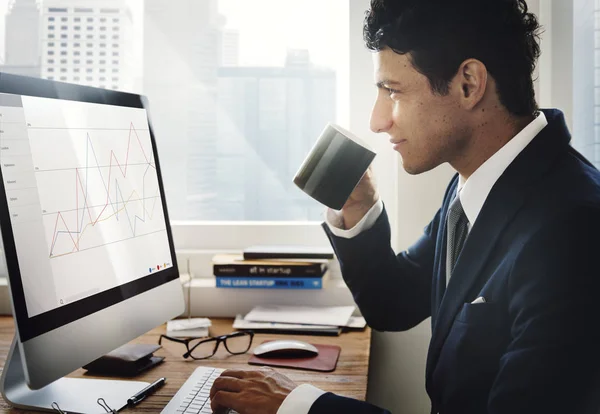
(348, 379)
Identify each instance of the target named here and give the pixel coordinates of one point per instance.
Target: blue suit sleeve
(331, 403)
(552, 362)
(392, 291)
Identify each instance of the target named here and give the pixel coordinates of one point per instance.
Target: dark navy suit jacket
(533, 254)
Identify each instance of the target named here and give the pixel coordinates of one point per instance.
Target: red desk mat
(325, 361)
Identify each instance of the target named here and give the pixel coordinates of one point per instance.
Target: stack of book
(247, 271)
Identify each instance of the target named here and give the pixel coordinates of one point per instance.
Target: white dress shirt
(472, 192)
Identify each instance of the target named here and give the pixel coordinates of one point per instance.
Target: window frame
(203, 238)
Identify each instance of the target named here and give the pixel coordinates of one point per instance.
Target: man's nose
(381, 116)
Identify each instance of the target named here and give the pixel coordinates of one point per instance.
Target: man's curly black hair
(440, 34)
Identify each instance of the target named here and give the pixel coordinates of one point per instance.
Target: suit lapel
(502, 204)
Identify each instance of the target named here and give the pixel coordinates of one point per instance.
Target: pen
(139, 396)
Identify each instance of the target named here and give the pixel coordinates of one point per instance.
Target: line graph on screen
(102, 190)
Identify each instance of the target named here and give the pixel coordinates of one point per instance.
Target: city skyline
(290, 31)
(231, 130)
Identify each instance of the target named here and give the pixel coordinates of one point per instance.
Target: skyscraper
(22, 40)
(181, 57)
(230, 47)
(269, 118)
(88, 42)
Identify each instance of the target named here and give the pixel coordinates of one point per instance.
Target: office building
(88, 42)
(269, 118)
(22, 39)
(181, 58)
(230, 47)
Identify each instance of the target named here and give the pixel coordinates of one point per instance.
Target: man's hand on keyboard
(250, 392)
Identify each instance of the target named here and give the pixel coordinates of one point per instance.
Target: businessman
(508, 269)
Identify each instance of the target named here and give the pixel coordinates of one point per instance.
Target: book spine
(312, 270)
(269, 282)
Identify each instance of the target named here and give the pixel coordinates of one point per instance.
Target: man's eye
(392, 91)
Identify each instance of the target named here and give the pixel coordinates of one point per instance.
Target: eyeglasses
(201, 348)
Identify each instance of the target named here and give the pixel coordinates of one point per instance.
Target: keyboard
(192, 397)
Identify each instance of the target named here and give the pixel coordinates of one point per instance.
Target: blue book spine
(270, 282)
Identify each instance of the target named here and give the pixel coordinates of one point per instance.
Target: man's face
(425, 128)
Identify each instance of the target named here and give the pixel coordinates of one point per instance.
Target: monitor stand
(73, 395)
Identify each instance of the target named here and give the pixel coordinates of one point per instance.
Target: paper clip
(104, 405)
(57, 408)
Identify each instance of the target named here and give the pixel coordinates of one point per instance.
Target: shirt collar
(474, 191)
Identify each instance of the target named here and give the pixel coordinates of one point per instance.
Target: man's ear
(472, 79)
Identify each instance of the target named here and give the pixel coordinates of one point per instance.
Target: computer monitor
(88, 244)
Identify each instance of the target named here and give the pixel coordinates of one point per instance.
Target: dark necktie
(457, 234)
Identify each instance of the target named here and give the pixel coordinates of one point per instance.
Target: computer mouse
(285, 348)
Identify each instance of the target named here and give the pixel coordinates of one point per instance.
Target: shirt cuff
(335, 221)
(300, 400)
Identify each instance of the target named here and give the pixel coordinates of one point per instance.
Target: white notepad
(330, 315)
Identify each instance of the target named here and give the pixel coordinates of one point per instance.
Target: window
(63, 78)
(51, 36)
(67, 27)
(64, 19)
(63, 69)
(50, 44)
(50, 69)
(50, 19)
(63, 61)
(245, 139)
(76, 44)
(63, 45)
(63, 53)
(50, 61)
(76, 78)
(51, 27)
(245, 131)
(63, 36)
(570, 73)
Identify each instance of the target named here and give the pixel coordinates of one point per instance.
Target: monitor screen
(85, 204)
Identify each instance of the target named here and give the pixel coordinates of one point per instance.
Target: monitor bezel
(31, 327)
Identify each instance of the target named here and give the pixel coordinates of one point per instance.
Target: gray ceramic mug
(334, 166)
